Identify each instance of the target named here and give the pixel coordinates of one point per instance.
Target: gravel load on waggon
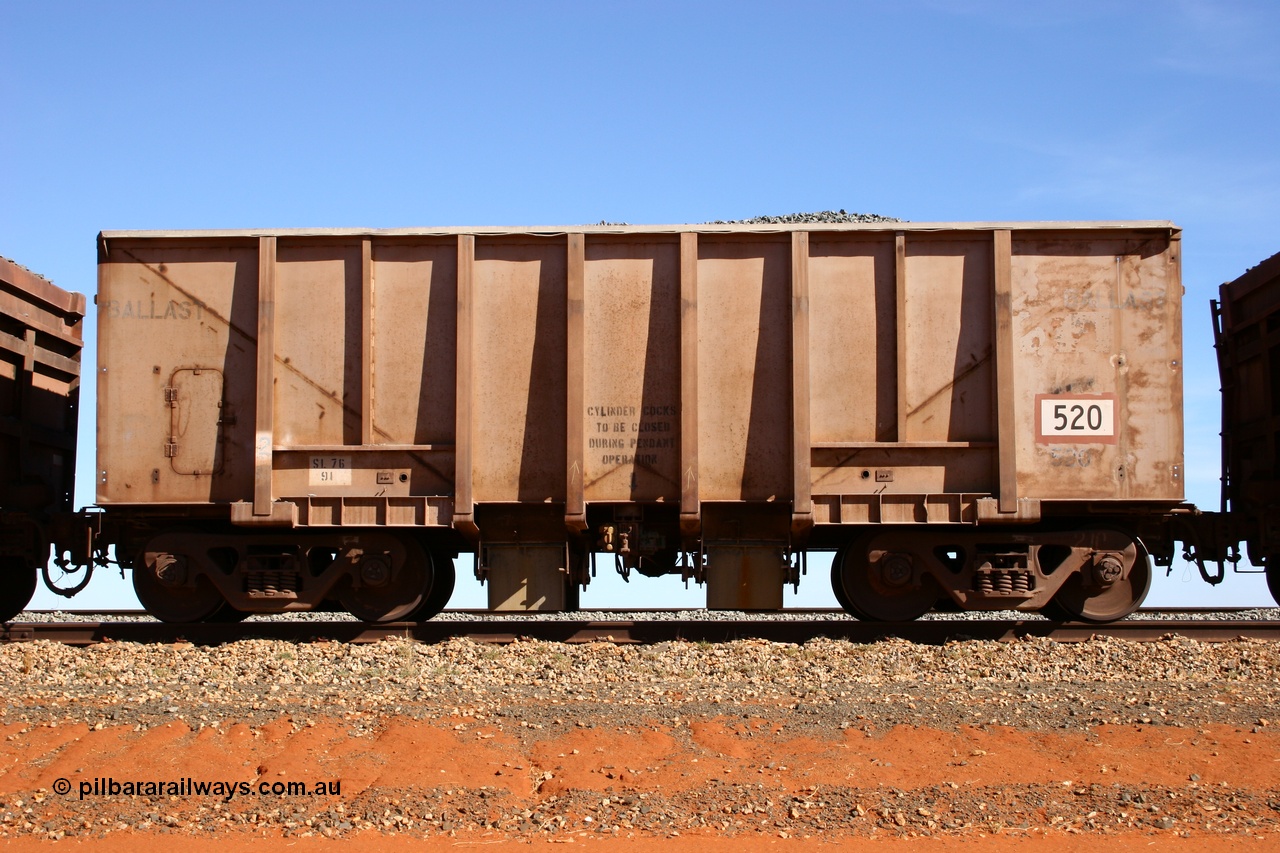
(548, 741)
(815, 218)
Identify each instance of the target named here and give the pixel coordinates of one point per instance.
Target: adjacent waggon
(40, 344)
(968, 415)
(1247, 337)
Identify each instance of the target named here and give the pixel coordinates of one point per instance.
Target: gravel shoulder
(544, 742)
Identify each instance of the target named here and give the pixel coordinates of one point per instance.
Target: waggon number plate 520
(330, 471)
(1076, 418)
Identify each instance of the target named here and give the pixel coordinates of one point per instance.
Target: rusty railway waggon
(1247, 338)
(974, 415)
(40, 344)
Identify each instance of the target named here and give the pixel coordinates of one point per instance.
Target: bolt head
(1107, 569)
(374, 571)
(169, 569)
(895, 569)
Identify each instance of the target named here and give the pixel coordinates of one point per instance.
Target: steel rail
(931, 632)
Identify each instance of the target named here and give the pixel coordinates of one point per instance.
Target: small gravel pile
(25, 269)
(821, 217)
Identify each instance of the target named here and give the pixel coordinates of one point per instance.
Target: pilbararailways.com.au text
(111, 787)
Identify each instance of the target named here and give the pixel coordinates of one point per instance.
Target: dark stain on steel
(954, 381)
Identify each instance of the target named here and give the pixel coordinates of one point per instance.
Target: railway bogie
(376, 575)
(1096, 574)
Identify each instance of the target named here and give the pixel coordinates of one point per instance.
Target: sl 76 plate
(330, 471)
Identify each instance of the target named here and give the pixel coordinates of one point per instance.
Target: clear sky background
(168, 115)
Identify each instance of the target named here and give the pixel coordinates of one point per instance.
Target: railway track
(629, 630)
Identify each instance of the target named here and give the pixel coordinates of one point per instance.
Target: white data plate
(330, 471)
(1076, 418)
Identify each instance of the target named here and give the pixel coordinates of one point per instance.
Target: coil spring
(1004, 582)
(265, 582)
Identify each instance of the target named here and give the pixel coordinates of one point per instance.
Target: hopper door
(196, 414)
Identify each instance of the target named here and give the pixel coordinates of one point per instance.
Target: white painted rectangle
(330, 471)
(1076, 418)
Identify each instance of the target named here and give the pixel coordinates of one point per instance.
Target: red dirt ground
(406, 753)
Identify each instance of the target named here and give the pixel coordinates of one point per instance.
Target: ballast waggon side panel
(703, 399)
(944, 364)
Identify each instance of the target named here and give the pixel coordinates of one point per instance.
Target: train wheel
(1273, 577)
(228, 615)
(1087, 596)
(443, 578)
(572, 596)
(388, 593)
(18, 580)
(163, 584)
(884, 590)
(947, 604)
(1055, 612)
(837, 585)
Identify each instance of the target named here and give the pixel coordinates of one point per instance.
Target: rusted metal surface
(1091, 308)
(801, 391)
(636, 631)
(1247, 337)
(1005, 372)
(690, 500)
(707, 400)
(1249, 356)
(40, 343)
(1106, 325)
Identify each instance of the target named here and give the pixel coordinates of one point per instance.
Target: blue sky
(237, 115)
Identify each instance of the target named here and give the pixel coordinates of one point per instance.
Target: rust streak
(986, 356)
